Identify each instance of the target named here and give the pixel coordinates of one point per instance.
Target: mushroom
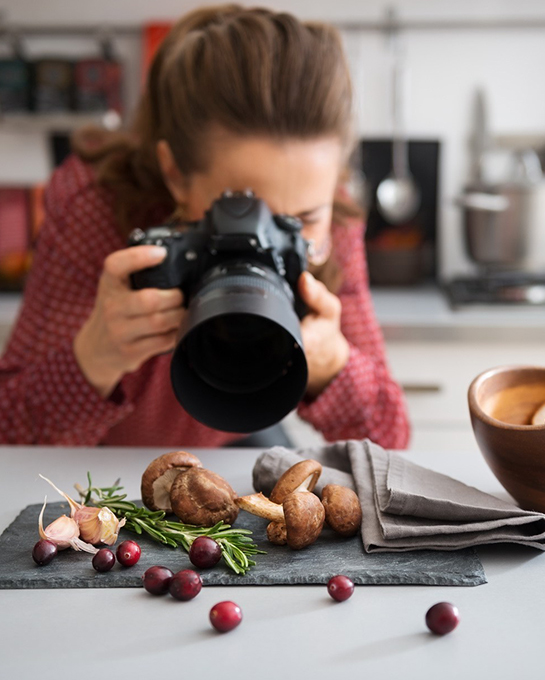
(539, 416)
(202, 497)
(299, 477)
(277, 533)
(301, 513)
(159, 476)
(342, 509)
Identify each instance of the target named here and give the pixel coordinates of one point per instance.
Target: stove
(504, 288)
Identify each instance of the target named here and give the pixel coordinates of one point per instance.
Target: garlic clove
(110, 526)
(98, 525)
(64, 532)
(74, 505)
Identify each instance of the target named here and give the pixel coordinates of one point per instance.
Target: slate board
(316, 564)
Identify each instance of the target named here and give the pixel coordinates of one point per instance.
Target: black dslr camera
(239, 364)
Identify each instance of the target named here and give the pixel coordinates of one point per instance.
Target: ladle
(398, 195)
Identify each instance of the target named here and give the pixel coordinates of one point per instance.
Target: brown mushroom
(301, 512)
(160, 474)
(276, 533)
(539, 416)
(342, 509)
(299, 477)
(202, 497)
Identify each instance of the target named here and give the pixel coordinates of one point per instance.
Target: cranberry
(44, 552)
(340, 588)
(204, 552)
(442, 618)
(185, 585)
(128, 553)
(103, 560)
(225, 616)
(156, 580)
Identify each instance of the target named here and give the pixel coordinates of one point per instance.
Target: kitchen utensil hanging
(398, 195)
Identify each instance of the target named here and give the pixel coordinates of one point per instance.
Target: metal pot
(496, 225)
(500, 220)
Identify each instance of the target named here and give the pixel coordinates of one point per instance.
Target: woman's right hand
(127, 327)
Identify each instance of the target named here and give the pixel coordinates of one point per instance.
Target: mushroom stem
(260, 505)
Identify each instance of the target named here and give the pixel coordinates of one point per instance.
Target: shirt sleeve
(44, 397)
(363, 401)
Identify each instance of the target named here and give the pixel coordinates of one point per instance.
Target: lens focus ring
(277, 287)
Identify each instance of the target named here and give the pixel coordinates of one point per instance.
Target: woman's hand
(126, 327)
(326, 348)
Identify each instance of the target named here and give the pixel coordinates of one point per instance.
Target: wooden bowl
(502, 402)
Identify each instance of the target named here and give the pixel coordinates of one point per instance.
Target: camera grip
(151, 277)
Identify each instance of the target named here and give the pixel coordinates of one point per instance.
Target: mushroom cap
(305, 471)
(342, 509)
(203, 498)
(159, 476)
(304, 515)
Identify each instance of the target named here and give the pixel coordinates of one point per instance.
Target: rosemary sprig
(236, 545)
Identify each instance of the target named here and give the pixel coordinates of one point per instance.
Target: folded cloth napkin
(405, 506)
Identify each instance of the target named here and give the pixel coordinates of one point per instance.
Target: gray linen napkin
(405, 506)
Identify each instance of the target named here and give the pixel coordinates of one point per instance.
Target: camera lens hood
(239, 365)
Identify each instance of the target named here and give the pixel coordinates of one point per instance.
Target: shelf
(517, 142)
(53, 122)
(355, 25)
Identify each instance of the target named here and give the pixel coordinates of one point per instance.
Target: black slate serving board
(316, 564)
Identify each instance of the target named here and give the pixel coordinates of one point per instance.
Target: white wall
(445, 68)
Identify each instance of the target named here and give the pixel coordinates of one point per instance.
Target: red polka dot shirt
(45, 399)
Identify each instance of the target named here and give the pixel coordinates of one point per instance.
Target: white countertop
(423, 313)
(418, 313)
(287, 632)
(10, 303)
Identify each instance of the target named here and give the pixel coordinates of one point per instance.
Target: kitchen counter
(419, 313)
(286, 632)
(422, 313)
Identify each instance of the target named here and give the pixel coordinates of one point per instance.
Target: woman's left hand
(326, 348)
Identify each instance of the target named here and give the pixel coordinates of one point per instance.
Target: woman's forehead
(293, 176)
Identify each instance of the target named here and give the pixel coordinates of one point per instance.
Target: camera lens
(240, 365)
(240, 353)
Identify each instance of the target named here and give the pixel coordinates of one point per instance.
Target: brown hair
(251, 71)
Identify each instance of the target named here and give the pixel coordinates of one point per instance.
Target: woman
(236, 98)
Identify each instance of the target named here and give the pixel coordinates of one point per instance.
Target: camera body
(237, 231)
(239, 364)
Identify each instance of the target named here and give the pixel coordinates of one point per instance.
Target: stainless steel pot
(500, 220)
(496, 228)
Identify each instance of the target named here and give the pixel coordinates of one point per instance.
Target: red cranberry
(44, 552)
(225, 616)
(128, 553)
(442, 618)
(340, 588)
(103, 560)
(204, 552)
(156, 580)
(185, 585)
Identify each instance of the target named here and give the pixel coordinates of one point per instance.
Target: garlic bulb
(64, 532)
(96, 525)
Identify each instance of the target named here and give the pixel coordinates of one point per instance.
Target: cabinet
(436, 375)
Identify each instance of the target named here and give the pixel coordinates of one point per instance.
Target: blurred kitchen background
(451, 122)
